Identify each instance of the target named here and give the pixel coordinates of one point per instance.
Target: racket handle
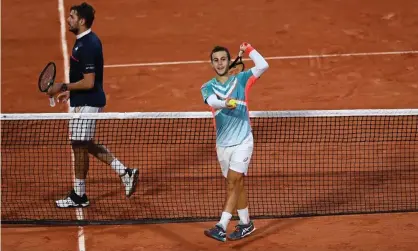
(51, 101)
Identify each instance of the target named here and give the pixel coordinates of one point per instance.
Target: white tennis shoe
(130, 180)
(73, 200)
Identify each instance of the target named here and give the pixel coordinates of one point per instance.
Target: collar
(83, 34)
(229, 80)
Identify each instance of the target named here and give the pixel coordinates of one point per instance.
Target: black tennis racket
(238, 63)
(46, 80)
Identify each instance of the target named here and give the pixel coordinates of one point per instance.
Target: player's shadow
(182, 240)
(366, 181)
(157, 188)
(273, 227)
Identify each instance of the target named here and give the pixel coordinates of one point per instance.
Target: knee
(97, 148)
(235, 181)
(80, 145)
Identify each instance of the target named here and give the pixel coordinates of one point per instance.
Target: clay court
(139, 37)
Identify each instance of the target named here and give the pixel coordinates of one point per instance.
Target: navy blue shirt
(87, 57)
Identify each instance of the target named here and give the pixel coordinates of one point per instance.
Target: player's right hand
(241, 53)
(246, 47)
(63, 97)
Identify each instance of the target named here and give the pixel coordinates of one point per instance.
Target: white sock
(244, 217)
(118, 167)
(80, 187)
(225, 218)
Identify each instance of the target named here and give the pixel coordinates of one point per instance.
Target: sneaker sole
(78, 206)
(213, 237)
(242, 237)
(134, 183)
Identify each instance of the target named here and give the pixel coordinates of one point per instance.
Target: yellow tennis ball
(232, 102)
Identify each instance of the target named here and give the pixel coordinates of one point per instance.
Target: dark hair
(220, 48)
(85, 11)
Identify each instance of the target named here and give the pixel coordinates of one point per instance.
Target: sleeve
(206, 91)
(215, 103)
(87, 60)
(261, 64)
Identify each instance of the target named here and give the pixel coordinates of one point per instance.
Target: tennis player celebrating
(227, 96)
(87, 96)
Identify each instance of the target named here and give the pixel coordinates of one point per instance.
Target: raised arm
(261, 64)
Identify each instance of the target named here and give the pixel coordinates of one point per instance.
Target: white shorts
(236, 158)
(83, 129)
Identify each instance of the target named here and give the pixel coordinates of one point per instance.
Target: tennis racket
(238, 63)
(46, 80)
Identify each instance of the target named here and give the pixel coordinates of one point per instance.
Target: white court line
(78, 211)
(268, 58)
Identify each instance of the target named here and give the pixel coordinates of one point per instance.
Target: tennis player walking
(234, 139)
(86, 94)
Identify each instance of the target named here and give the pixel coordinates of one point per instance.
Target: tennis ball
(232, 102)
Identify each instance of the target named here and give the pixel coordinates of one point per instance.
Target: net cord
(197, 115)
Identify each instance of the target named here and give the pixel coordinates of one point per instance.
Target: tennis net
(305, 163)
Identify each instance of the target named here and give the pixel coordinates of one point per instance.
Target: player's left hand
(54, 89)
(231, 103)
(63, 97)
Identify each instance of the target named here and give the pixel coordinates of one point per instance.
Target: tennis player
(86, 94)
(234, 139)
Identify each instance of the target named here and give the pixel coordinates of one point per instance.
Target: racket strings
(47, 78)
(237, 63)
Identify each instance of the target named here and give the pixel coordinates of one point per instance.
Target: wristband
(64, 87)
(249, 48)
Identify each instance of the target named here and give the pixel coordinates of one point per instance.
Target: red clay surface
(155, 31)
(386, 232)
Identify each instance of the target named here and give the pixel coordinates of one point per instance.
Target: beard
(74, 30)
